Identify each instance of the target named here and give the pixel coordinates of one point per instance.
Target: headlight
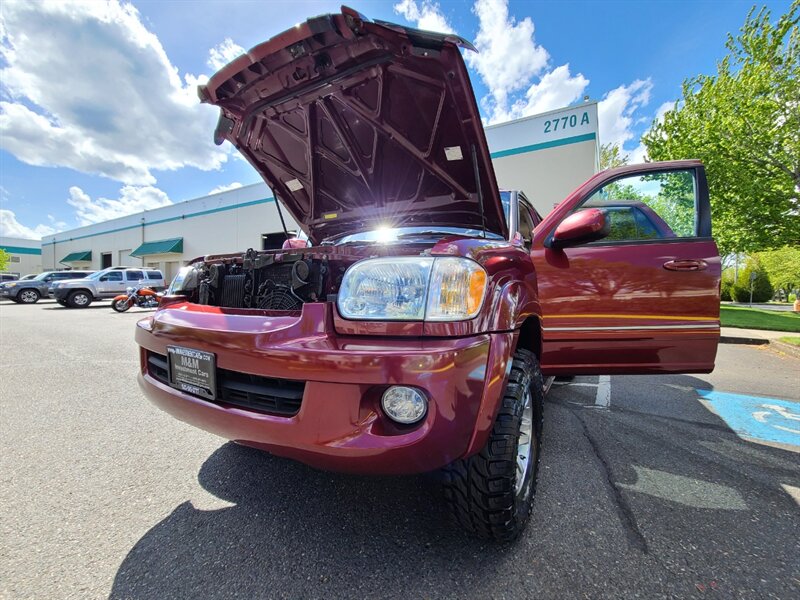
(412, 289)
(10, 285)
(185, 281)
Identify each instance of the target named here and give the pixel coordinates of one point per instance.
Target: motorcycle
(143, 297)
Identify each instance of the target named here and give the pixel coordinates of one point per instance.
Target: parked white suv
(105, 284)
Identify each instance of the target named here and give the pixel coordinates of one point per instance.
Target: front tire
(121, 305)
(490, 494)
(28, 297)
(79, 299)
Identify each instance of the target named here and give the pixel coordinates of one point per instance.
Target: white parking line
(603, 397)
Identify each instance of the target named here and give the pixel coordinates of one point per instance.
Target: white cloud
(87, 86)
(223, 53)
(426, 15)
(508, 57)
(132, 199)
(555, 89)
(225, 188)
(10, 227)
(509, 62)
(616, 111)
(664, 109)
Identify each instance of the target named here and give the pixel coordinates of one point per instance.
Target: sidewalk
(750, 336)
(735, 335)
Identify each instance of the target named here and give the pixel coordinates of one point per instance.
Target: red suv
(417, 329)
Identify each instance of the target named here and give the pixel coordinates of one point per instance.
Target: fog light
(404, 404)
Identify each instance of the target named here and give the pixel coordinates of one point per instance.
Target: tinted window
(155, 275)
(644, 226)
(653, 205)
(622, 224)
(526, 224)
(134, 275)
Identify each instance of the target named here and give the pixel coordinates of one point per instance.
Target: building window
(272, 241)
(105, 260)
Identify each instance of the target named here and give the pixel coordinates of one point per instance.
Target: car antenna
(480, 191)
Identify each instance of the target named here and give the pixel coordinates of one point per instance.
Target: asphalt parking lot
(650, 487)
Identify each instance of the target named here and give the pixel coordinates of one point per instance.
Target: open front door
(629, 275)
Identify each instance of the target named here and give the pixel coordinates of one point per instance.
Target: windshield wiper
(433, 232)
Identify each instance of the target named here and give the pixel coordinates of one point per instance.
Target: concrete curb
(751, 341)
(789, 349)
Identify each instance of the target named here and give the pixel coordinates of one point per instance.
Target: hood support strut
(478, 188)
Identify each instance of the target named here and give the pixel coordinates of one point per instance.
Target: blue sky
(98, 110)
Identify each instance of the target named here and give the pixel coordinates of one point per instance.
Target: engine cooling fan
(279, 298)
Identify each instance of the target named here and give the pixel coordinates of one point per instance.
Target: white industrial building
(546, 156)
(26, 255)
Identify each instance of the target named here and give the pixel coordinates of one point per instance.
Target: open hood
(356, 124)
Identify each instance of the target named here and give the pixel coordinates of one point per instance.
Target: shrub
(762, 288)
(726, 290)
(792, 297)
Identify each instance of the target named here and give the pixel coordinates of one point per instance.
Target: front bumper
(339, 425)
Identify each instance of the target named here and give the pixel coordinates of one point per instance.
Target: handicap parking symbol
(766, 419)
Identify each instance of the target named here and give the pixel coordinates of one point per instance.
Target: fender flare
(511, 312)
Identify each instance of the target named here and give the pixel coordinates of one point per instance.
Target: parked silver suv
(105, 284)
(28, 291)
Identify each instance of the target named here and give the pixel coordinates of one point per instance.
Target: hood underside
(357, 124)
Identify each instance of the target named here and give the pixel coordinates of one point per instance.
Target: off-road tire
(481, 490)
(28, 296)
(74, 300)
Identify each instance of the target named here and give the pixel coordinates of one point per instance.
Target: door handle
(685, 265)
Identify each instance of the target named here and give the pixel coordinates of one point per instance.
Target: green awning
(173, 246)
(84, 256)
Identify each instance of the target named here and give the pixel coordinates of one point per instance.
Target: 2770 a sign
(566, 122)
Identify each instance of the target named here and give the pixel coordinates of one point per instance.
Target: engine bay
(283, 281)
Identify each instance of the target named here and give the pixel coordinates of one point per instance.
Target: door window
(648, 206)
(112, 276)
(526, 224)
(134, 275)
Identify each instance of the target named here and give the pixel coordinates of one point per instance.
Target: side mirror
(104, 278)
(582, 227)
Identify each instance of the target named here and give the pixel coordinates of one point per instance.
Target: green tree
(611, 156)
(783, 267)
(762, 288)
(744, 123)
(5, 258)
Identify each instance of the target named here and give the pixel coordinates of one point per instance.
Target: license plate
(192, 371)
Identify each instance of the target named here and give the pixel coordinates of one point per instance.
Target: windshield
(96, 275)
(41, 276)
(387, 235)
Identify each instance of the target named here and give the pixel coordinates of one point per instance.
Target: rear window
(155, 275)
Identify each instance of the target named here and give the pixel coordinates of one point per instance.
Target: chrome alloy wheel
(81, 299)
(28, 296)
(525, 444)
